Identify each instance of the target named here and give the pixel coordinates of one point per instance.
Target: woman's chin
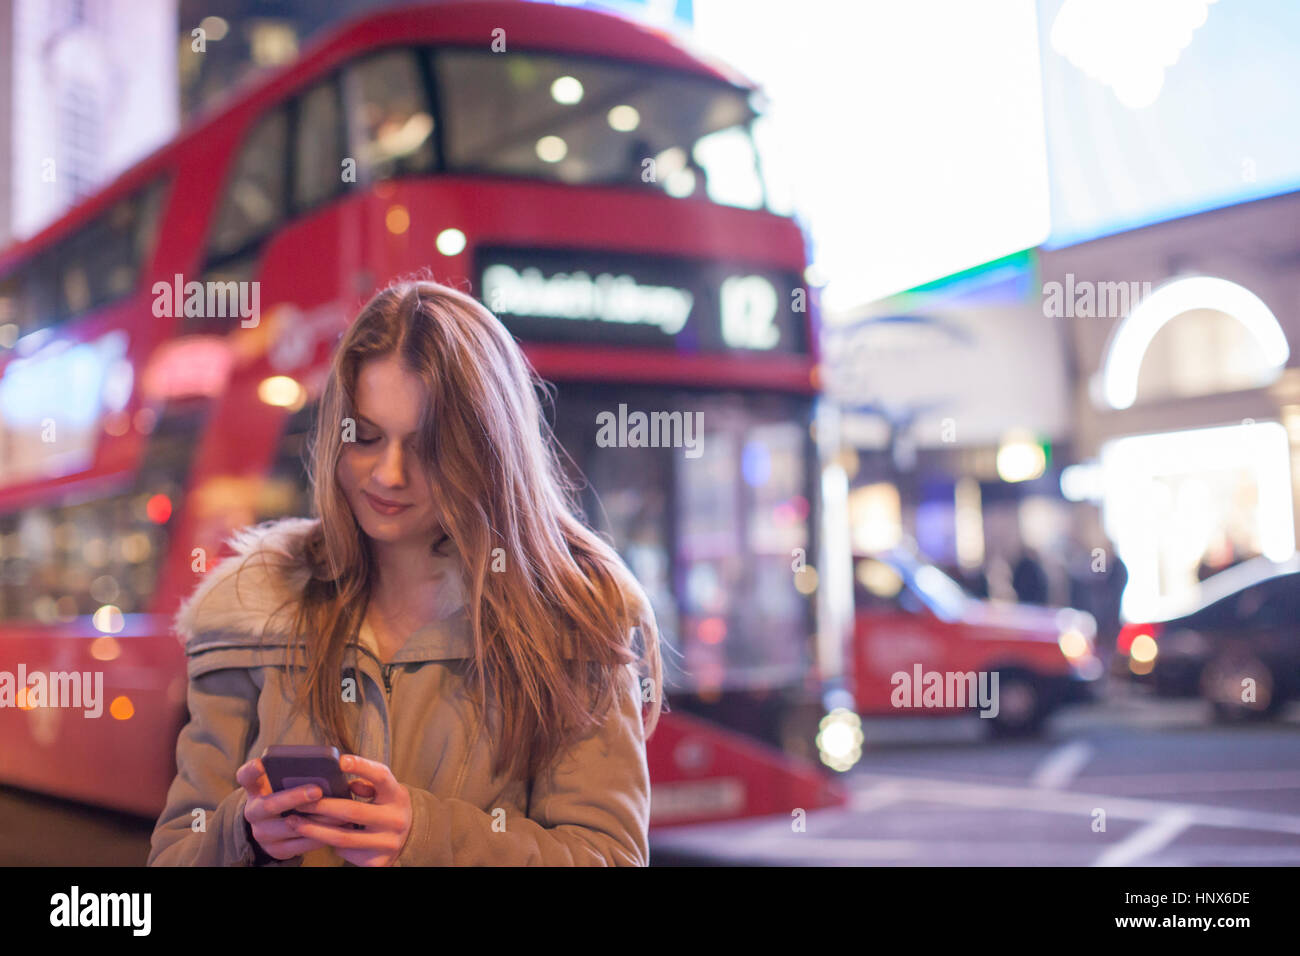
(388, 530)
(395, 530)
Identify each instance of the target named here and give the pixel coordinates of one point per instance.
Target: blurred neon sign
(51, 403)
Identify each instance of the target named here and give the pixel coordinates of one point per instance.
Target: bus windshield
(598, 122)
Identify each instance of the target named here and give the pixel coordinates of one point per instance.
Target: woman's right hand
(263, 811)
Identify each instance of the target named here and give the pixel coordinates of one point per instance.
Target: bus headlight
(839, 739)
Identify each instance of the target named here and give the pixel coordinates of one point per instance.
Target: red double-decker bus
(162, 346)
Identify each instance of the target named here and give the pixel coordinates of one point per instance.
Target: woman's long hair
(555, 632)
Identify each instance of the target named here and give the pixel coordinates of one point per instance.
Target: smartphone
(291, 765)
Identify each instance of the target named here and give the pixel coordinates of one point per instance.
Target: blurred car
(911, 618)
(1240, 626)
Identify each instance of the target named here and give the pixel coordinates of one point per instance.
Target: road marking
(1160, 824)
(1061, 765)
(1082, 804)
(1148, 839)
(873, 798)
(1211, 781)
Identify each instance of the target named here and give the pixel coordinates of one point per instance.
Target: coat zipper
(386, 671)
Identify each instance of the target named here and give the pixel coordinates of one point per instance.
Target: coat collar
(249, 599)
(446, 639)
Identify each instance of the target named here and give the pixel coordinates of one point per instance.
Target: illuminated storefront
(1188, 405)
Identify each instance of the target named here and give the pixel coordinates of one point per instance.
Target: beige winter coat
(592, 807)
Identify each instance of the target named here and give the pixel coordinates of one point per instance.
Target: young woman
(481, 657)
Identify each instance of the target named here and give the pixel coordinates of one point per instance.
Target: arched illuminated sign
(1133, 336)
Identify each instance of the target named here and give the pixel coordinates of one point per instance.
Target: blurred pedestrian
(1029, 580)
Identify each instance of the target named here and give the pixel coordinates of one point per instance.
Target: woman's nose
(390, 470)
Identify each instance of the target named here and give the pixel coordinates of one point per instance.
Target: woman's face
(383, 480)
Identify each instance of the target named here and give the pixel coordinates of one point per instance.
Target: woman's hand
(262, 810)
(385, 823)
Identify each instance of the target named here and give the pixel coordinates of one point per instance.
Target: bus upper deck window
(10, 303)
(317, 147)
(390, 123)
(778, 177)
(594, 122)
(727, 158)
(254, 199)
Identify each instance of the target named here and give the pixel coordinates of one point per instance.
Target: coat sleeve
(591, 809)
(211, 747)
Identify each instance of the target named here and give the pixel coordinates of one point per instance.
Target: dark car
(1238, 645)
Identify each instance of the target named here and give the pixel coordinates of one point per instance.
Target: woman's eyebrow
(361, 419)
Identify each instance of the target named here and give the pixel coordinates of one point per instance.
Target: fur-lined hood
(255, 589)
(250, 599)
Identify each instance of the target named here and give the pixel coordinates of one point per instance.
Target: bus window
(102, 262)
(254, 199)
(65, 560)
(711, 535)
(29, 298)
(390, 122)
(240, 269)
(286, 491)
(95, 266)
(742, 524)
(318, 152)
(9, 293)
(593, 122)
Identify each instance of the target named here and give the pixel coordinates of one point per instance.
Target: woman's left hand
(385, 823)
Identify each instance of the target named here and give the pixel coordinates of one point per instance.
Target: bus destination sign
(617, 299)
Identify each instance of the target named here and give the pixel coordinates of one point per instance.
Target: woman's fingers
(296, 847)
(278, 837)
(361, 788)
(376, 773)
(274, 830)
(348, 811)
(252, 778)
(343, 838)
(264, 808)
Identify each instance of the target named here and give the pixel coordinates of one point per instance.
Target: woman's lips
(382, 506)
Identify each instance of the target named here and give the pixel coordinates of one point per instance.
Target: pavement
(1132, 781)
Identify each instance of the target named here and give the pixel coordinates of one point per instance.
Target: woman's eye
(367, 441)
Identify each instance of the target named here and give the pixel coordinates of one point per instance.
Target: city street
(891, 410)
(1176, 790)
